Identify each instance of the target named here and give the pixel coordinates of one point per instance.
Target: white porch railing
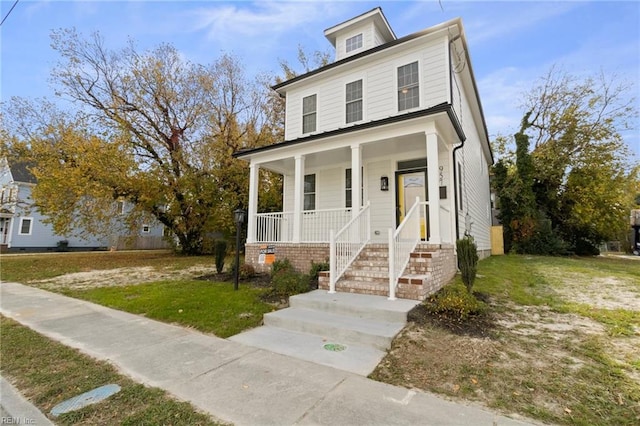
(274, 227)
(401, 243)
(315, 225)
(346, 244)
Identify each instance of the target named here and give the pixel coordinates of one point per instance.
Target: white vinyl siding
(309, 113)
(475, 214)
(379, 87)
(353, 99)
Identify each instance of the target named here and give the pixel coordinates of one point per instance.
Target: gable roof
(20, 172)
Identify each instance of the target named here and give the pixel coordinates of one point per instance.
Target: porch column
(298, 198)
(433, 188)
(254, 173)
(356, 179)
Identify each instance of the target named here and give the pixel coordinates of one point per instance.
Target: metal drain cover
(87, 398)
(334, 347)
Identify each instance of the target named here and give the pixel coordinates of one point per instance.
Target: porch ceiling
(379, 148)
(389, 140)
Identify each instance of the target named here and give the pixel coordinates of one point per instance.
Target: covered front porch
(405, 197)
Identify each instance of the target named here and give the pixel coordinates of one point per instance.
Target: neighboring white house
(385, 161)
(22, 227)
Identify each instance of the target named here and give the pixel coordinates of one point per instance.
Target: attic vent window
(354, 42)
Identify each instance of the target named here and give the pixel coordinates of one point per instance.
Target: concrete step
(356, 305)
(342, 328)
(357, 359)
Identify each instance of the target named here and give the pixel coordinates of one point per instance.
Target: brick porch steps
(429, 267)
(364, 324)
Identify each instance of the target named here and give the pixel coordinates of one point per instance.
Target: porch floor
(362, 325)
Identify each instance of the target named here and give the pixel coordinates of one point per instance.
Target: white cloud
(261, 19)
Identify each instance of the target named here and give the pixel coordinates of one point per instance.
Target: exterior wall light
(384, 183)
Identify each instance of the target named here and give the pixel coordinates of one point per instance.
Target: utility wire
(9, 12)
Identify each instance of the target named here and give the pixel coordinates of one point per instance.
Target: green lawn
(210, 307)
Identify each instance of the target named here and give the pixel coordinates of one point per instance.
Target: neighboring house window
(25, 226)
(309, 192)
(309, 108)
(354, 42)
(354, 101)
(408, 87)
(146, 229)
(120, 207)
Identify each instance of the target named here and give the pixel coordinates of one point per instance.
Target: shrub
(220, 251)
(286, 281)
(316, 268)
(467, 260)
(454, 302)
(246, 272)
(281, 266)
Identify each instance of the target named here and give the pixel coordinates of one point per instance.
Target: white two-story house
(385, 161)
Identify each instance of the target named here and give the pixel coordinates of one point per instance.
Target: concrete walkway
(233, 382)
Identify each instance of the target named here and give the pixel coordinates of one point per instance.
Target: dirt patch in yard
(121, 277)
(606, 292)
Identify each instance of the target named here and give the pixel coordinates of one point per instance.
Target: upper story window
(408, 87)
(309, 109)
(310, 192)
(354, 101)
(354, 42)
(120, 207)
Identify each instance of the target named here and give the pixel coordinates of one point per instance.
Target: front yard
(559, 342)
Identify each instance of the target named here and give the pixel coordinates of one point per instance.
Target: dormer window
(354, 101)
(354, 42)
(309, 109)
(408, 87)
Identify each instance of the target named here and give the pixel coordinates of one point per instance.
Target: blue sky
(512, 43)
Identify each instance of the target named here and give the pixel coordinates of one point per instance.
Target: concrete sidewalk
(233, 382)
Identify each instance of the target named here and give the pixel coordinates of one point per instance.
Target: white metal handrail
(347, 243)
(401, 243)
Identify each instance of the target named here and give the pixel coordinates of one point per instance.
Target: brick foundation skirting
(299, 254)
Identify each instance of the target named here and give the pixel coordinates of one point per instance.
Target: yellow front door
(409, 186)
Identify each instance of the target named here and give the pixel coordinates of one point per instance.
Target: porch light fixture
(239, 216)
(384, 183)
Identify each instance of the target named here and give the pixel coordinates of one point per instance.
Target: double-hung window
(354, 42)
(25, 226)
(408, 87)
(309, 111)
(310, 192)
(354, 101)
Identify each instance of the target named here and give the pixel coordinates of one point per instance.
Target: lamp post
(239, 216)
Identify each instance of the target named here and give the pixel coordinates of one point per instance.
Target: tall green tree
(580, 166)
